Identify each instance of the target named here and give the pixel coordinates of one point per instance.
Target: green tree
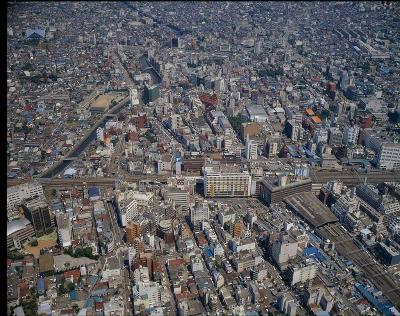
(394, 117)
(34, 243)
(53, 77)
(15, 255)
(70, 286)
(325, 114)
(236, 122)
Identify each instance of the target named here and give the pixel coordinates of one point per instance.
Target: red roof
(99, 306)
(176, 262)
(74, 273)
(209, 99)
(23, 288)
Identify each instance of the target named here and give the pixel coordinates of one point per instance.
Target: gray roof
(16, 225)
(40, 32)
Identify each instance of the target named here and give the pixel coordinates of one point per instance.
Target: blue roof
(93, 279)
(40, 285)
(313, 251)
(323, 313)
(73, 295)
(99, 292)
(93, 191)
(383, 308)
(208, 251)
(89, 302)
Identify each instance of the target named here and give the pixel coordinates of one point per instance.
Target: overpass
(318, 177)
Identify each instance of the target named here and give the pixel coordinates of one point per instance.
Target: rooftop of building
(17, 225)
(311, 209)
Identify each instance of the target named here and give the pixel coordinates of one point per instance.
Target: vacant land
(103, 100)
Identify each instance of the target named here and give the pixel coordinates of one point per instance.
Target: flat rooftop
(311, 209)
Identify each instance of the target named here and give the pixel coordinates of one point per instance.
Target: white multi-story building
(179, 198)
(347, 209)
(251, 150)
(199, 213)
(133, 94)
(64, 229)
(284, 249)
(146, 294)
(129, 210)
(196, 264)
(288, 305)
(100, 134)
(348, 203)
(239, 246)
(145, 199)
(226, 180)
(226, 216)
(321, 135)
(141, 274)
(271, 148)
(350, 135)
(16, 194)
(302, 273)
(112, 271)
(389, 156)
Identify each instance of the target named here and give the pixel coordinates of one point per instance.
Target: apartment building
(16, 194)
(389, 156)
(226, 180)
(38, 213)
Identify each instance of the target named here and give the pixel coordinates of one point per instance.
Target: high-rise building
(350, 135)
(64, 230)
(274, 192)
(19, 231)
(389, 156)
(128, 211)
(294, 130)
(133, 95)
(176, 42)
(257, 48)
(287, 304)
(37, 212)
(151, 93)
(138, 244)
(251, 150)
(388, 252)
(226, 180)
(16, 194)
(180, 198)
(100, 134)
(284, 249)
(347, 209)
(320, 135)
(344, 80)
(199, 213)
(301, 273)
(271, 148)
(335, 136)
(238, 228)
(132, 231)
